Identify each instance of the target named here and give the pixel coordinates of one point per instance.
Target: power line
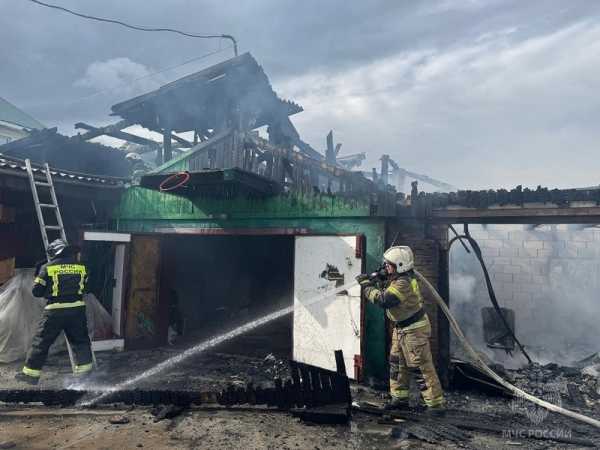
(140, 28)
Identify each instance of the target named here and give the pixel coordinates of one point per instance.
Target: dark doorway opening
(214, 283)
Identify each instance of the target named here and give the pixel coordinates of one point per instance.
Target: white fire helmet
(401, 256)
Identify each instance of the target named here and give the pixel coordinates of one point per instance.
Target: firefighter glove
(363, 280)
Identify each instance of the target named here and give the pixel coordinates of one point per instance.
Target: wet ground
(511, 424)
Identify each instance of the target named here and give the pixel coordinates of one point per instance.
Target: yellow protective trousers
(410, 353)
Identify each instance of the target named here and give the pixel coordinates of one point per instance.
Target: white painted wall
(334, 323)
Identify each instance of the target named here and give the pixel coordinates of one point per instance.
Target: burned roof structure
(68, 153)
(210, 99)
(234, 94)
(223, 106)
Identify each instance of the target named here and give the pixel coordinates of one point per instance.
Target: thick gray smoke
(549, 276)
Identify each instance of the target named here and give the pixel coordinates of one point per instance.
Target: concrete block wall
(548, 275)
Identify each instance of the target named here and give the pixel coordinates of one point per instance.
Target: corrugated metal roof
(18, 166)
(13, 115)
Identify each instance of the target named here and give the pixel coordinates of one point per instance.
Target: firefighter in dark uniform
(62, 281)
(410, 351)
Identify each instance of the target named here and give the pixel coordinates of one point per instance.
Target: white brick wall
(527, 268)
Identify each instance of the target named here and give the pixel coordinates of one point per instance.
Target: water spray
(213, 342)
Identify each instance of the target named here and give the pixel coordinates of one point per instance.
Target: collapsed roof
(69, 153)
(205, 100)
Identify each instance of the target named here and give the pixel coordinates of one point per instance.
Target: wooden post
(385, 169)
(167, 151)
(443, 331)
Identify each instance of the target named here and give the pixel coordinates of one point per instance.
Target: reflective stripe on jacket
(62, 282)
(401, 299)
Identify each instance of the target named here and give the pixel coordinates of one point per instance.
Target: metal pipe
(233, 41)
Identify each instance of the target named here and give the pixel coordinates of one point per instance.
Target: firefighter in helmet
(410, 351)
(62, 281)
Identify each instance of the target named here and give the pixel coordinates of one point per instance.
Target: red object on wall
(358, 368)
(359, 252)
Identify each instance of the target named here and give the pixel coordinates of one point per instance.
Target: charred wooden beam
(115, 131)
(167, 151)
(181, 141)
(305, 388)
(100, 131)
(330, 155)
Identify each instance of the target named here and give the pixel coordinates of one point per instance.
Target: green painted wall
(145, 210)
(142, 203)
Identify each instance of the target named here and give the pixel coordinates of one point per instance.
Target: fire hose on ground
(484, 367)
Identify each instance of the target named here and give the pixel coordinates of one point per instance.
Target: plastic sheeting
(20, 313)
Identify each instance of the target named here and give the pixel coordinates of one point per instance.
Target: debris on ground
(323, 415)
(118, 420)
(492, 421)
(431, 433)
(572, 385)
(592, 360)
(167, 412)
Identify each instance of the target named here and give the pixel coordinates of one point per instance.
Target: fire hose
(484, 367)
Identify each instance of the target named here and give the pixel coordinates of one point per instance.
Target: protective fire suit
(62, 281)
(410, 350)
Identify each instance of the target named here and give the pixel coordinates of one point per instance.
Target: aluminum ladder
(57, 228)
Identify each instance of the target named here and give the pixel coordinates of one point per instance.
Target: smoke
(119, 74)
(549, 276)
(465, 306)
(434, 96)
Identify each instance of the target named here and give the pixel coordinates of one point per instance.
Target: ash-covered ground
(474, 419)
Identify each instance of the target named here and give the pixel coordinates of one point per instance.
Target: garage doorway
(201, 284)
(215, 283)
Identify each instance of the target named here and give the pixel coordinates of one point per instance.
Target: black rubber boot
(27, 379)
(396, 403)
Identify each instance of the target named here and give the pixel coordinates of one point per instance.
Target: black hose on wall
(488, 283)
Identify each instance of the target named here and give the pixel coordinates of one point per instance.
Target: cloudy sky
(478, 93)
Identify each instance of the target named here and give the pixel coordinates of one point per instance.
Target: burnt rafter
(234, 94)
(236, 90)
(182, 142)
(115, 130)
(69, 153)
(400, 175)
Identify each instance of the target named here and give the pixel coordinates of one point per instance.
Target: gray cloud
(117, 74)
(478, 93)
